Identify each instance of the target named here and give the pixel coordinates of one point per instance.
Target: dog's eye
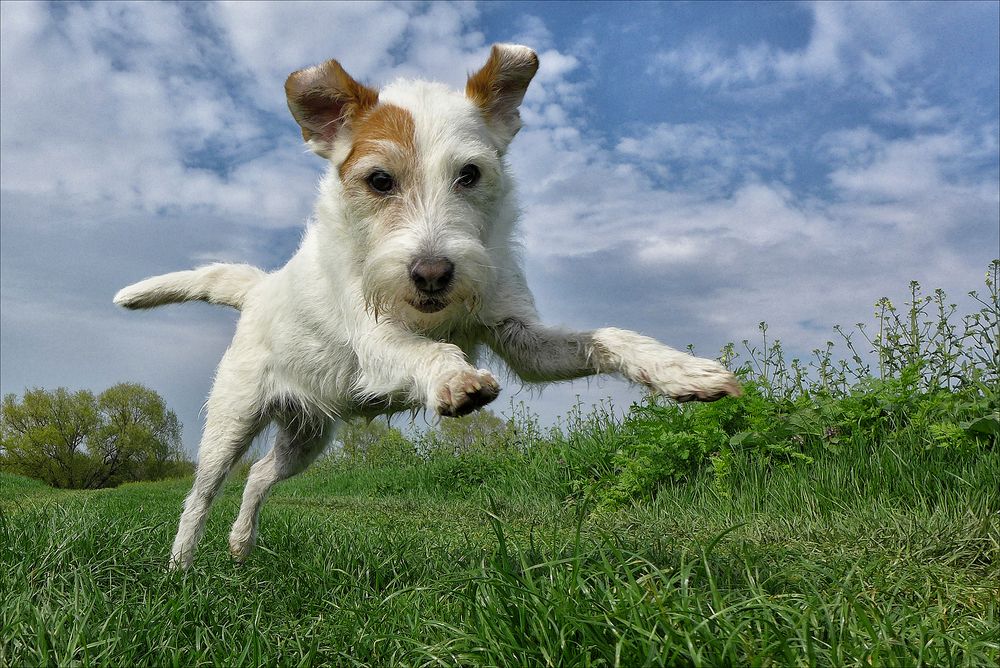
(381, 181)
(468, 176)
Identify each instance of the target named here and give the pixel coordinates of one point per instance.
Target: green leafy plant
(936, 387)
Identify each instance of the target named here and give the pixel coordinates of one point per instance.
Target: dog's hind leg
(298, 443)
(233, 418)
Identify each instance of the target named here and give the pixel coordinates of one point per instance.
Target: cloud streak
(870, 42)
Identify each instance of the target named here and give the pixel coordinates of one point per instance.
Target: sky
(686, 170)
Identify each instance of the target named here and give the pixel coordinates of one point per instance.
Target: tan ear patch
(499, 86)
(324, 98)
(479, 87)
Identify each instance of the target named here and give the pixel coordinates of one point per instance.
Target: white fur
(332, 334)
(225, 284)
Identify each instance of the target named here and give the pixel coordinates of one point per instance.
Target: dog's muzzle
(432, 277)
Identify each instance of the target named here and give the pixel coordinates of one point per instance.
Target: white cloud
(915, 170)
(271, 39)
(795, 257)
(185, 119)
(531, 30)
(706, 157)
(88, 118)
(681, 140)
(848, 41)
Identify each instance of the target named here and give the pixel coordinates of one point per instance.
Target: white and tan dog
(408, 268)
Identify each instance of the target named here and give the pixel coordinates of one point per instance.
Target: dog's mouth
(428, 304)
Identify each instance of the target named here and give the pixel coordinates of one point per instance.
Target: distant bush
(81, 441)
(374, 443)
(471, 451)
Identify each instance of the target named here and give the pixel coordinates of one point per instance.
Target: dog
(409, 266)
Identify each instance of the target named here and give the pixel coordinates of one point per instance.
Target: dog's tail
(225, 284)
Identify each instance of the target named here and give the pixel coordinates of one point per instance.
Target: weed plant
(937, 387)
(844, 512)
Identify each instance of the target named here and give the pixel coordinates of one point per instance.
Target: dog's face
(421, 176)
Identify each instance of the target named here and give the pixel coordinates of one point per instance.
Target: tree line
(79, 440)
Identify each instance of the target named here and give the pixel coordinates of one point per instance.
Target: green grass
(863, 556)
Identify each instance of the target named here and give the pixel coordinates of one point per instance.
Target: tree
(138, 439)
(44, 436)
(481, 430)
(78, 440)
(374, 442)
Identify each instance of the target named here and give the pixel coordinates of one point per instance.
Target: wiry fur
(343, 330)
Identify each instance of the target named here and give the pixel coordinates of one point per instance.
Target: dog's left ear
(498, 88)
(323, 100)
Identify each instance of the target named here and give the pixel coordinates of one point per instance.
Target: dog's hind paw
(466, 391)
(240, 547)
(180, 562)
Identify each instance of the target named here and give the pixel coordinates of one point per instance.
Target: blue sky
(687, 169)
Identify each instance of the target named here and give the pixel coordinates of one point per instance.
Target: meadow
(846, 511)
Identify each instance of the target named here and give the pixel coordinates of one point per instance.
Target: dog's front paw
(694, 379)
(466, 391)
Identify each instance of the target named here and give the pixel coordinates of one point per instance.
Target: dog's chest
(336, 374)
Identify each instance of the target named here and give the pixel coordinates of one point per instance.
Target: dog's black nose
(432, 274)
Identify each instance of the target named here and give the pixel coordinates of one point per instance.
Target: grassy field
(836, 515)
(861, 557)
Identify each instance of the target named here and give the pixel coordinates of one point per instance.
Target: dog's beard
(389, 292)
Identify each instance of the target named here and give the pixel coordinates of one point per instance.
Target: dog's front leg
(429, 373)
(538, 353)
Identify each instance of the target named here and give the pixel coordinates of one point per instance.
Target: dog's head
(420, 177)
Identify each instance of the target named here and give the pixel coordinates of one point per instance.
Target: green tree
(139, 438)
(45, 435)
(374, 442)
(77, 440)
(481, 430)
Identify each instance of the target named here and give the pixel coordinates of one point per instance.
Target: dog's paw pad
(466, 391)
(729, 389)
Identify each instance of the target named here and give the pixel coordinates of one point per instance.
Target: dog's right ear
(323, 99)
(499, 86)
